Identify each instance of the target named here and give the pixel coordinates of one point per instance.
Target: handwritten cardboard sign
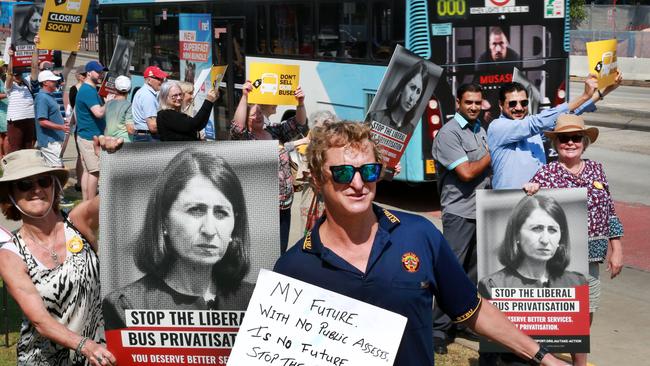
(602, 61)
(290, 322)
(273, 83)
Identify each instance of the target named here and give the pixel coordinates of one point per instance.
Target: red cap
(154, 71)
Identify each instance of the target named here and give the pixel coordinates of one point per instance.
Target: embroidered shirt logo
(392, 218)
(306, 244)
(411, 262)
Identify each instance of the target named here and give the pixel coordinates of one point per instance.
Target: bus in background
(343, 48)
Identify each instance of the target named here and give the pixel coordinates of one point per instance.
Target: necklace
(53, 254)
(579, 170)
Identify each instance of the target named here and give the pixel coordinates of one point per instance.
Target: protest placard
(602, 61)
(63, 23)
(120, 64)
(25, 26)
(401, 99)
(188, 227)
(273, 83)
(532, 263)
(290, 322)
(216, 75)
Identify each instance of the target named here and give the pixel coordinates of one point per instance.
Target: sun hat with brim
(26, 163)
(568, 123)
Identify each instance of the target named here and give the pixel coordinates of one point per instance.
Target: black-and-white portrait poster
(26, 23)
(120, 64)
(184, 230)
(400, 102)
(121, 60)
(533, 263)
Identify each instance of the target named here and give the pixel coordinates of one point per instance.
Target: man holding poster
(401, 99)
(390, 259)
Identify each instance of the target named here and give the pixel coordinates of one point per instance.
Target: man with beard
(90, 112)
(515, 139)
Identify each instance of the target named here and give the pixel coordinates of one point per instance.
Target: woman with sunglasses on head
(173, 123)
(50, 265)
(248, 124)
(570, 139)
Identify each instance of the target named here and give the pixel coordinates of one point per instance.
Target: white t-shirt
(21, 103)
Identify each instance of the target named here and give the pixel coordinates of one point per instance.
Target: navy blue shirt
(409, 263)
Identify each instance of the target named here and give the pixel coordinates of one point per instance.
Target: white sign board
(290, 322)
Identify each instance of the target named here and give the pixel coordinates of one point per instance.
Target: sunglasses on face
(344, 174)
(566, 138)
(27, 185)
(513, 103)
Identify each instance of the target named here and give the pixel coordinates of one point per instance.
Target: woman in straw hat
(571, 138)
(50, 264)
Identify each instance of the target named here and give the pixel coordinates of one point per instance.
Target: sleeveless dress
(71, 294)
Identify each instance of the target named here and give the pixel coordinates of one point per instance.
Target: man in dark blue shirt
(393, 260)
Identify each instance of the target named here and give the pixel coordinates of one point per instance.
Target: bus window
(387, 26)
(342, 30)
(141, 34)
(291, 30)
(165, 49)
(262, 31)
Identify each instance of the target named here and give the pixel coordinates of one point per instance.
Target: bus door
(229, 45)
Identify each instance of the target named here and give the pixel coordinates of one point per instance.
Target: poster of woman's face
(404, 92)
(189, 224)
(26, 23)
(540, 236)
(121, 60)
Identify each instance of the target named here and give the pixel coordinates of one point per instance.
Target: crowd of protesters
(509, 154)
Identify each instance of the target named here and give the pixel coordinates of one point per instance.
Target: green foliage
(577, 12)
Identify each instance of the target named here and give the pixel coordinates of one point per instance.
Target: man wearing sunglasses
(394, 260)
(462, 166)
(515, 139)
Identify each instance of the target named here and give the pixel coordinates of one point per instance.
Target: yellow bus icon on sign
(608, 63)
(269, 83)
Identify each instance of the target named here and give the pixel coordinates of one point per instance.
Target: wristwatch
(537, 359)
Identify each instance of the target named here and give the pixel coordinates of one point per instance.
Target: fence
(629, 24)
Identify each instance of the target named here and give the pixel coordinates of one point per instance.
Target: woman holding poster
(50, 264)
(173, 123)
(194, 247)
(570, 139)
(535, 251)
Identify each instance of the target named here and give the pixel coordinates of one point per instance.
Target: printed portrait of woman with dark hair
(194, 247)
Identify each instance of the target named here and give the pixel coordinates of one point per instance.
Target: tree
(577, 12)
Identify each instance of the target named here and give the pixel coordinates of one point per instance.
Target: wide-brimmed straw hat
(567, 123)
(26, 163)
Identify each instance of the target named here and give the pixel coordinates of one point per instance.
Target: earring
(164, 231)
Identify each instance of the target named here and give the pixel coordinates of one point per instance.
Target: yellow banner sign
(62, 24)
(216, 75)
(273, 83)
(602, 61)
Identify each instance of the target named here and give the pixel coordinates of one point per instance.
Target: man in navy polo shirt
(390, 259)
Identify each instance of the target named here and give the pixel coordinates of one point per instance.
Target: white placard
(200, 80)
(290, 322)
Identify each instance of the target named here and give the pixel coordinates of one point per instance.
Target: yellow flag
(62, 24)
(273, 83)
(602, 61)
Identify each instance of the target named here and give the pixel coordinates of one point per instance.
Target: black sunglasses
(344, 174)
(566, 138)
(26, 185)
(513, 103)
